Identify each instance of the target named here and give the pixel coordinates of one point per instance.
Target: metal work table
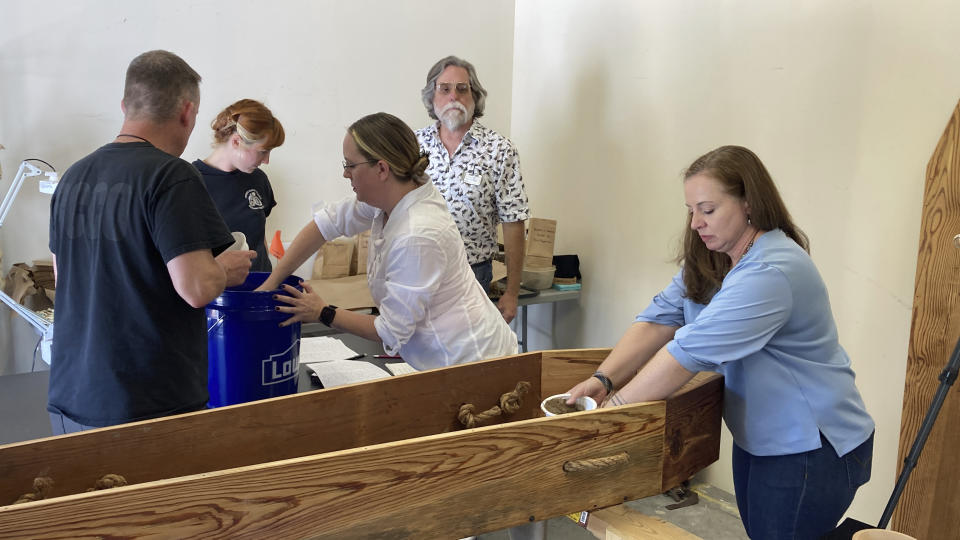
(546, 296)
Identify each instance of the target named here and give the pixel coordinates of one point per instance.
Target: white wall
(844, 102)
(319, 65)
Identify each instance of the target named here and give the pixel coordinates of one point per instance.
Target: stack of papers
(324, 349)
(401, 368)
(336, 364)
(340, 372)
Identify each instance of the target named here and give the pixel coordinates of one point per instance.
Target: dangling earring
(748, 221)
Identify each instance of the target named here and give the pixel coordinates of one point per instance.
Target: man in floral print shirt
(477, 171)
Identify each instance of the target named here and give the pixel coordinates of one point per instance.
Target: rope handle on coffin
(509, 404)
(596, 464)
(43, 487)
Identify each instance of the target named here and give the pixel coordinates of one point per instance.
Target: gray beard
(455, 120)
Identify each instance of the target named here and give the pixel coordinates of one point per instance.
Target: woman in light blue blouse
(749, 303)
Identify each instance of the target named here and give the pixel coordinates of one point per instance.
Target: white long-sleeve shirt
(433, 312)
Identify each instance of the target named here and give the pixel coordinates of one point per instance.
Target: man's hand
(508, 306)
(304, 306)
(236, 265)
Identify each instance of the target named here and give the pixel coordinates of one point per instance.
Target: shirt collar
(409, 200)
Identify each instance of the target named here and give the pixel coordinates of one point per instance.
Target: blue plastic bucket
(250, 356)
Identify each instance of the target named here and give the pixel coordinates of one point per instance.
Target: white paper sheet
(338, 372)
(324, 349)
(400, 368)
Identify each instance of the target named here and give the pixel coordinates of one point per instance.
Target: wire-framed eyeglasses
(347, 165)
(446, 88)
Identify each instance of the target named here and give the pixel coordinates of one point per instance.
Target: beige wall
(318, 65)
(844, 102)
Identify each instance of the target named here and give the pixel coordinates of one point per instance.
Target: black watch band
(607, 383)
(327, 314)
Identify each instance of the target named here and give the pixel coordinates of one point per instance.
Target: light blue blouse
(770, 332)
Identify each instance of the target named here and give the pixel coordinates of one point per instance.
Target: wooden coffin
(383, 459)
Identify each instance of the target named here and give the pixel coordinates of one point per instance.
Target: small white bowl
(584, 403)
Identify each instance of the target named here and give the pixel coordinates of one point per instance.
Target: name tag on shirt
(472, 179)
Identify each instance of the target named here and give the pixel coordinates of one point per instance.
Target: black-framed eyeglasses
(347, 165)
(446, 88)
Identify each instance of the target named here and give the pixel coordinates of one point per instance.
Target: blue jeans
(61, 425)
(798, 496)
(484, 273)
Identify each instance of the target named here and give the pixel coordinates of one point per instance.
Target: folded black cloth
(568, 266)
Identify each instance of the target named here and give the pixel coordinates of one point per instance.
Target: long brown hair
(741, 174)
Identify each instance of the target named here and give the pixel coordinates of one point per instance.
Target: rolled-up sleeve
(739, 321)
(346, 217)
(415, 270)
(666, 308)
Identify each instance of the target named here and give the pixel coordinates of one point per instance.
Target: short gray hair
(157, 83)
(477, 89)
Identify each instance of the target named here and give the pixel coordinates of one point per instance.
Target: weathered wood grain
(386, 410)
(376, 460)
(930, 505)
(451, 485)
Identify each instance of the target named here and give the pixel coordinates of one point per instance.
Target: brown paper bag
(541, 235)
(334, 259)
(358, 265)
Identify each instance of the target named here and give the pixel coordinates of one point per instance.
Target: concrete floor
(714, 517)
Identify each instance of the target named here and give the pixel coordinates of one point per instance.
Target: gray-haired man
(477, 171)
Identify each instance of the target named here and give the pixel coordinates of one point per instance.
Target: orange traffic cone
(276, 246)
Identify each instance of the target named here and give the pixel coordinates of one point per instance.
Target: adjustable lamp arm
(26, 170)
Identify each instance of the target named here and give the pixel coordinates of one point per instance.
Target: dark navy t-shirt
(244, 201)
(126, 346)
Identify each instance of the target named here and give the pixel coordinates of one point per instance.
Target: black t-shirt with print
(126, 346)
(244, 200)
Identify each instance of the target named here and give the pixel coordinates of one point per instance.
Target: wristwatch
(327, 314)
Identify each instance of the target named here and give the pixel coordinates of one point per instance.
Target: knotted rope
(41, 488)
(43, 485)
(509, 404)
(108, 481)
(596, 463)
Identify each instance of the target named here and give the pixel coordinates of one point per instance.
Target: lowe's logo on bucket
(281, 367)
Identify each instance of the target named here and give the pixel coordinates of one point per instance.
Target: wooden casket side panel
(563, 369)
(691, 440)
(448, 485)
(386, 410)
(694, 413)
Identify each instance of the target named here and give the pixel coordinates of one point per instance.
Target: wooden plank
(692, 435)
(386, 410)
(930, 504)
(563, 369)
(622, 522)
(446, 485)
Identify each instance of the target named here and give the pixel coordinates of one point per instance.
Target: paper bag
(541, 234)
(334, 259)
(358, 265)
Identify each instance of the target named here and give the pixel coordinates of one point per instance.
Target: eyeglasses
(347, 165)
(446, 88)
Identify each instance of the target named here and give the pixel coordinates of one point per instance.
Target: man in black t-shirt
(138, 251)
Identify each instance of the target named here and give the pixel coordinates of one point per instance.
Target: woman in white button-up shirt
(433, 312)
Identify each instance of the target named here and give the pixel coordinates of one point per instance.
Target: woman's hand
(591, 387)
(305, 306)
